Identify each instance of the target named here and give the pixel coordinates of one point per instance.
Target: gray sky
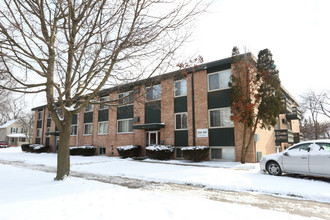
(296, 31)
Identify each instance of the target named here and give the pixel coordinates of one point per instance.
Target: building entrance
(153, 138)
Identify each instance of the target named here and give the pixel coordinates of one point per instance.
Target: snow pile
(126, 148)
(160, 148)
(83, 147)
(195, 148)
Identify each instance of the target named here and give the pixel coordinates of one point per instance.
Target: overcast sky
(296, 31)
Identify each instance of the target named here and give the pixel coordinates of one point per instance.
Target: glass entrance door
(153, 138)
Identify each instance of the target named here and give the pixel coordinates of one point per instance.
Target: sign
(202, 133)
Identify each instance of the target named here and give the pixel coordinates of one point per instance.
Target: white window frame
(153, 97)
(13, 130)
(40, 115)
(124, 132)
(126, 98)
(180, 129)
(89, 108)
(219, 72)
(88, 134)
(38, 133)
(219, 109)
(98, 127)
(103, 99)
(180, 81)
(76, 130)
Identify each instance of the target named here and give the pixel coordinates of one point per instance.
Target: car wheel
(274, 169)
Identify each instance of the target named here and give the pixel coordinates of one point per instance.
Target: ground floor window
(102, 150)
(125, 126)
(22, 139)
(38, 133)
(73, 130)
(88, 129)
(103, 127)
(223, 153)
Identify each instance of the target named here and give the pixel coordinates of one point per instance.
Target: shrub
(129, 151)
(25, 147)
(83, 150)
(196, 154)
(35, 148)
(160, 152)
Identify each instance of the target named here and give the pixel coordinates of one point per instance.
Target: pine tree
(256, 97)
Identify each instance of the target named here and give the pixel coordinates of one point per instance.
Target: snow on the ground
(217, 175)
(29, 194)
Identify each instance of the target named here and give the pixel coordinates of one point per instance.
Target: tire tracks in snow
(291, 205)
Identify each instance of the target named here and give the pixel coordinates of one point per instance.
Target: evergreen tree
(256, 97)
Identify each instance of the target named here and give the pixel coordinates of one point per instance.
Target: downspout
(193, 107)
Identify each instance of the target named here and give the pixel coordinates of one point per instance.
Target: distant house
(13, 133)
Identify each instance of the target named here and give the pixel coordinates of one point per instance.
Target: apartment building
(173, 109)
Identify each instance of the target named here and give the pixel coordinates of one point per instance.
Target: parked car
(3, 145)
(308, 158)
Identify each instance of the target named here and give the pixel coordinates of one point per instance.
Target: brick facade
(113, 139)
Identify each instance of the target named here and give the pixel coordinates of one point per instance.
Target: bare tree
(311, 105)
(26, 122)
(71, 49)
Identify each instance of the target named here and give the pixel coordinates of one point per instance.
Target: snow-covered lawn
(30, 194)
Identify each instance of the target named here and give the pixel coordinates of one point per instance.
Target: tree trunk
(63, 154)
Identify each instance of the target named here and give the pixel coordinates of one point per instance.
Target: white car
(308, 158)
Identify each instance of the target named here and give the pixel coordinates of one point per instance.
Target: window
(181, 121)
(104, 99)
(47, 132)
(23, 130)
(153, 93)
(73, 131)
(49, 115)
(22, 139)
(324, 146)
(39, 115)
(126, 98)
(13, 130)
(103, 127)
(219, 80)
(88, 129)
(38, 132)
(89, 108)
(220, 118)
(102, 150)
(300, 147)
(125, 126)
(223, 153)
(180, 88)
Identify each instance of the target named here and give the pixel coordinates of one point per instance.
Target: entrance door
(153, 138)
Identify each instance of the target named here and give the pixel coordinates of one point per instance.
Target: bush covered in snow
(160, 152)
(129, 151)
(35, 148)
(196, 153)
(86, 150)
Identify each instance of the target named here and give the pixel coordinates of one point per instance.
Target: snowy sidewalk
(211, 175)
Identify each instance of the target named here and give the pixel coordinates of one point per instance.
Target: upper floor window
(13, 130)
(104, 99)
(39, 115)
(219, 80)
(180, 88)
(220, 118)
(47, 132)
(153, 93)
(49, 115)
(38, 135)
(181, 121)
(89, 108)
(126, 98)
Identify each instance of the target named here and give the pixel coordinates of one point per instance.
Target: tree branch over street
(72, 49)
